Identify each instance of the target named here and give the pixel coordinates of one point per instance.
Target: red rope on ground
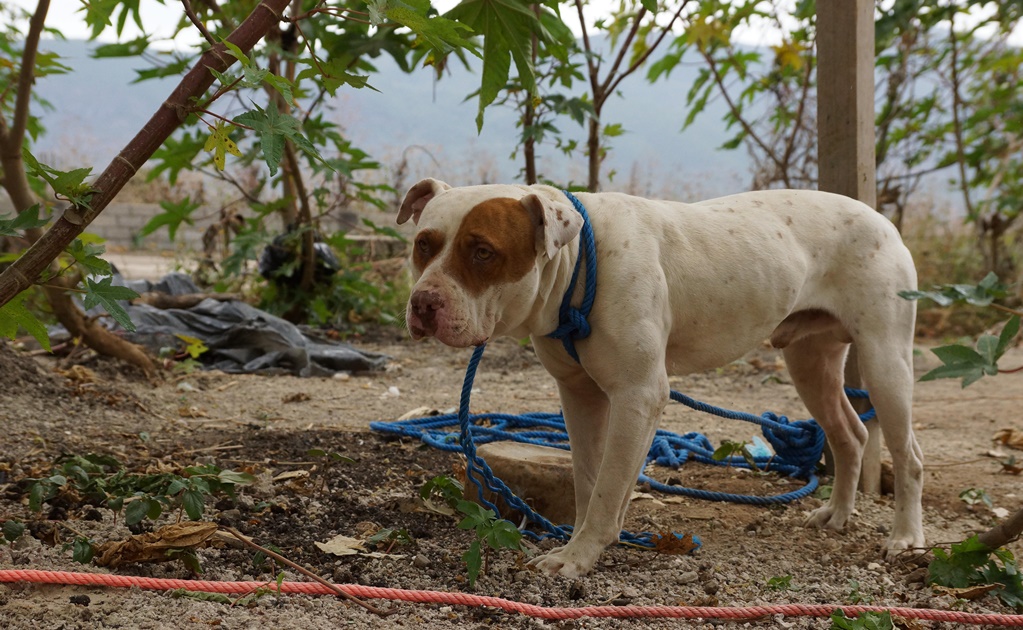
(543, 612)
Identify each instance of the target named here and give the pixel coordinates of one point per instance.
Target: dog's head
(477, 256)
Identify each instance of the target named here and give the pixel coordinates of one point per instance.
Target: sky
(159, 19)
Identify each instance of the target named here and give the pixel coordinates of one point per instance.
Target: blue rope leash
(574, 322)
(798, 445)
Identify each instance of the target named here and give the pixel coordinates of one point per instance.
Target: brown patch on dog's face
(427, 245)
(495, 244)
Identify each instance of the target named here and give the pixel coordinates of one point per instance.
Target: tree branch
(649, 51)
(24, 271)
(12, 138)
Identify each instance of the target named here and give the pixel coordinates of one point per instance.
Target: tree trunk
(1003, 533)
(593, 153)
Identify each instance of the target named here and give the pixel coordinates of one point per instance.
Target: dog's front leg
(585, 407)
(635, 410)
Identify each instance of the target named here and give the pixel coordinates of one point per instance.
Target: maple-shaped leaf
(87, 256)
(173, 215)
(671, 543)
(68, 184)
(274, 129)
(220, 144)
(507, 27)
(440, 33)
(15, 315)
(706, 30)
(333, 74)
(26, 220)
(790, 55)
(109, 296)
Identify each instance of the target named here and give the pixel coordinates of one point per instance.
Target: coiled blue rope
(798, 445)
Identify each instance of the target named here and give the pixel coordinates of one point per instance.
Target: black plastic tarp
(240, 337)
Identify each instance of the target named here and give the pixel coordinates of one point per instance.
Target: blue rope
(798, 445)
(574, 323)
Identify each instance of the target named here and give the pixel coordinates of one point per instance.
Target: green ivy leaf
(108, 295)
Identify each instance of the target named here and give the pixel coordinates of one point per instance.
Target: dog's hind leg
(815, 363)
(887, 369)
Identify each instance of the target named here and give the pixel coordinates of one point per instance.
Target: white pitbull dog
(681, 288)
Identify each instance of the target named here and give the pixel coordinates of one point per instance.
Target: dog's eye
(423, 245)
(483, 254)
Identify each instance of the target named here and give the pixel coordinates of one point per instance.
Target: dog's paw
(565, 562)
(827, 517)
(904, 546)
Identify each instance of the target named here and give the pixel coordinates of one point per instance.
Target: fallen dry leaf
(192, 412)
(153, 546)
(291, 474)
(297, 397)
(342, 545)
(79, 374)
(971, 593)
(1010, 437)
(669, 543)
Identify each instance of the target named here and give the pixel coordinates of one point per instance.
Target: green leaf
(15, 315)
(1009, 332)
(27, 220)
(105, 294)
(173, 215)
(36, 496)
(473, 559)
(86, 255)
(136, 511)
(12, 530)
(507, 27)
(82, 550)
(274, 129)
(68, 184)
(504, 535)
(236, 52)
(193, 503)
(867, 620)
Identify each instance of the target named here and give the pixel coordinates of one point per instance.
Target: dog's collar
(573, 323)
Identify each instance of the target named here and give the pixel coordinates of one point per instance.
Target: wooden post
(845, 141)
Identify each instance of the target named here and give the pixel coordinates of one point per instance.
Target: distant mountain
(97, 109)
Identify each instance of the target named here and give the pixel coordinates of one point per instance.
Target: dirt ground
(267, 425)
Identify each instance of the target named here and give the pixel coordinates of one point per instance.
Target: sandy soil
(247, 423)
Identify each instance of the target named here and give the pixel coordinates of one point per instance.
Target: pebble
(421, 561)
(873, 566)
(185, 386)
(688, 577)
(711, 587)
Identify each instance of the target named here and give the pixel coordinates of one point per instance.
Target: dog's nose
(425, 305)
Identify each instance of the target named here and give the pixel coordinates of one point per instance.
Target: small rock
(342, 376)
(80, 600)
(917, 575)
(711, 587)
(688, 577)
(873, 566)
(185, 386)
(577, 590)
(421, 561)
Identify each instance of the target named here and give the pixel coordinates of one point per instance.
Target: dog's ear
(417, 197)
(557, 222)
